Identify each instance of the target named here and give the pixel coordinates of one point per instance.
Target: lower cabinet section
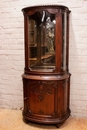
(46, 101)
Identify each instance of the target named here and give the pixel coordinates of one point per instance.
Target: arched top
(42, 7)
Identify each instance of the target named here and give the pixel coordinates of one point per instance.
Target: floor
(12, 120)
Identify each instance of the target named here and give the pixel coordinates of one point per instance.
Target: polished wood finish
(47, 92)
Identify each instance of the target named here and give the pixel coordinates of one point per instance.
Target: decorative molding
(65, 83)
(42, 87)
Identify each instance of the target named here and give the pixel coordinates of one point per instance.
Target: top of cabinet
(50, 6)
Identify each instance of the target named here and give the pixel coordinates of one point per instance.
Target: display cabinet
(46, 78)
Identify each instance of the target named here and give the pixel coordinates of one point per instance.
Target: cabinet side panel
(58, 42)
(62, 97)
(25, 94)
(65, 86)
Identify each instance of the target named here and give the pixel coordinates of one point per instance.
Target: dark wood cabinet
(46, 78)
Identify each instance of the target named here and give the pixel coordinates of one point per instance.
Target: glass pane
(41, 41)
(64, 30)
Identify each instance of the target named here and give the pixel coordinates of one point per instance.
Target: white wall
(12, 53)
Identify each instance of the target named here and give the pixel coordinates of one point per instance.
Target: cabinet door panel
(41, 97)
(41, 37)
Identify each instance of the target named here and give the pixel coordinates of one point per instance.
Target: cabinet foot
(58, 125)
(26, 121)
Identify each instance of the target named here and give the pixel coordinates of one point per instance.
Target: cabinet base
(55, 121)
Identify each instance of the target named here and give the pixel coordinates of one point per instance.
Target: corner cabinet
(46, 78)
